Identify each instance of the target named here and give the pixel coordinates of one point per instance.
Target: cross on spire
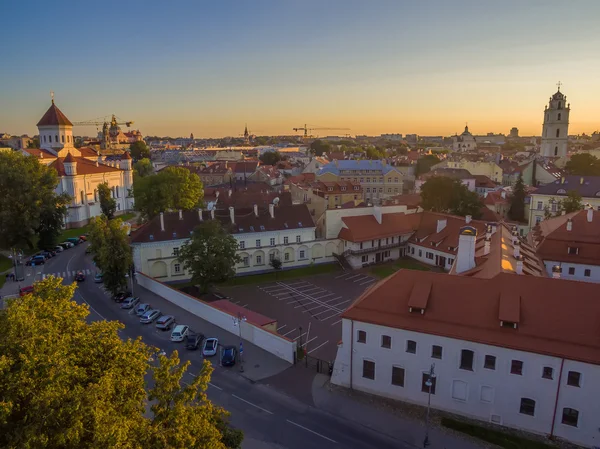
(559, 84)
(52, 96)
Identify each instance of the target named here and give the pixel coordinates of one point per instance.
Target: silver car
(165, 322)
(142, 308)
(130, 302)
(149, 316)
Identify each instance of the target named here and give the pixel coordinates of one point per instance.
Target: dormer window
(262, 228)
(573, 250)
(330, 189)
(508, 324)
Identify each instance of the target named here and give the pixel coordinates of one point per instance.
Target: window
(380, 189)
(389, 190)
(246, 261)
(587, 272)
(272, 241)
(516, 367)
(487, 394)
(242, 244)
(397, 376)
(298, 239)
(177, 268)
(286, 240)
(396, 190)
(554, 206)
(559, 116)
(258, 243)
(548, 372)
(368, 189)
(258, 260)
(420, 253)
(56, 138)
(466, 359)
(429, 255)
(301, 254)
(271, 257)
(368, 369)
(527, 406)
(395, 179)
(571, 270)
(436, 352)
(411, 346)
(386, 341)
(540, 205)
(424, 383)
(176, 252)
(558, 133)
(364, 259)
(286, 257)
(44, 139)
(574, 379)
(538, 218)
(556, 151)
(570, 416)
(63, 139)
(573, 250)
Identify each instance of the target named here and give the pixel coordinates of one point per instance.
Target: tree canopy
(210, 254)
(318, 147)
(139, 150)
(444, 194)
(583, 164)
(108, 204)
(375, 153)
(143, 167)
(70, 383)
(172, 188)
(573, 202)
(517, 201)
(270, 157)
(425, 163)
(28, 201)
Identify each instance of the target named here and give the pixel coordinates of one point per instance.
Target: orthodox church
(464, 142)
(81, 170)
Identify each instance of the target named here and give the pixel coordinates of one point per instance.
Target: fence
(322, 366)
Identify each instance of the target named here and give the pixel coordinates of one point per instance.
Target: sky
(209, 67)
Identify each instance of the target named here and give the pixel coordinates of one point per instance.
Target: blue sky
(205, 67)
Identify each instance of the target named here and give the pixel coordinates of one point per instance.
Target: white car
(180, 332)
(210, 347)
(59, 249)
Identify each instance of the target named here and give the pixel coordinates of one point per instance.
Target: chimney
(230, 192)
(468, 219)
(217, 194)
(515, 237)
(200, 214)
(180, 214)
(590, 214)
(256, 210)
(441, 224)
(487, 245)
(162, 222)
(212, 214)
(465, 258)
(232, 213)
(569, 225)
(517, 249)
(377, 213)
(272, 210)
(97, 164)
(488, 231)
(519, 264)
(503, 195)
(556, 271)
(581, 180)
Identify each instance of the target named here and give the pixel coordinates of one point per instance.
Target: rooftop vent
(151, 237)
(252, 228)
(174, 235)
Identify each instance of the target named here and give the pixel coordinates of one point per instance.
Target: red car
(80, 277)
(25, 290)
(83, 237)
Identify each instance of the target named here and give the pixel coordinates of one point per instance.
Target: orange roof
(366, 227)
(88, 152)
(471, 309)
(495, 197)
(84, 166)
(39, 153)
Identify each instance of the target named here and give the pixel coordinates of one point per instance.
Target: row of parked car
(179, 332)
(41, 257)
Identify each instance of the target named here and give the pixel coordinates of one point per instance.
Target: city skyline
(373, 68)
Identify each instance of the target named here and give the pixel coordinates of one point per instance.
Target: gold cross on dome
(52, 95)
(559, 84)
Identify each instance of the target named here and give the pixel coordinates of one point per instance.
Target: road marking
(311, 431)
(367, 282)
(325, 296)
(90, 306)
(331, 300)
(300, 336)
(279, 328)
(324, 311)
(322, 344)
(338, 321)
(43, 276)
(302, 305)
(211, 384)
(293, 330)
(253, 405)
(299, 282)
(352, 277)
(245, 305)
(237, 302)
(330, 316)
(88, 271)
(311, 288)
(312, 308)
(342, 275)
(310, 298)
(361, 279)
(306, 343)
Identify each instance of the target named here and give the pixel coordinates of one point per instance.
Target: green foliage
(270, 157)
(28, 202)
(573, 202)
(318, 147)
(425, 163)
(276, 265)
(444, 194)
(139, 150)
(108, 204)
(170, 189)
(52, 218)
(112, 253)
(210, 255)
(70, 383)
(517, 201)
(583, 164)
(34, 143)
(143, 167)
(375, 153)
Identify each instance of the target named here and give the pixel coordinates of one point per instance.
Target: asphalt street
(268, 418)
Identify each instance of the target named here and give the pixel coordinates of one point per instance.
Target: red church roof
(54, 117)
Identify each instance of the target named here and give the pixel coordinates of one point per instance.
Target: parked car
(98, 278)
(74, 240)
(80, 277)
(130, 302)
(149, 316)
(165, 322)
(142, 308)
(180, 332)
(25, 290)
(37, 260)
(193, 340)
(210, 347)
(83, 237)
(58, 249)
(66, 245)
(48, 254)
(120, 297)
(229, 355)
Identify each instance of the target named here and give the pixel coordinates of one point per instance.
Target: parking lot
(307, 310)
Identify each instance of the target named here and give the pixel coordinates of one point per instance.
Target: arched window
(559, 105)
(56, 138)
(44, 139)
(555, 151)
(559, 116)
(558, 133)
(63, 139)
(81, 193)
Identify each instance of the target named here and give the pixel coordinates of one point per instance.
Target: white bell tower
(555, 132)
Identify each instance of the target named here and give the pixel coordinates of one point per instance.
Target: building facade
(555, 130)
(464, 142)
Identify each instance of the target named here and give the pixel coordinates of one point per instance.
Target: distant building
(392, 137)
(555, 131)
(489, 169)
(514, 133)
(464, 142)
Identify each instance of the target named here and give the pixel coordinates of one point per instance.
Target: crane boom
(306, 129)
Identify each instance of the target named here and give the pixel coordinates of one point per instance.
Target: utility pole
(429, 384)
(238, 322)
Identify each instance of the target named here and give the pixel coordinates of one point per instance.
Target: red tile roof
(471, 309)
(42, 154)
(495, 197)
(484, 181)
(365, 227)
(54, 117)
(88, 152)
(84, 166)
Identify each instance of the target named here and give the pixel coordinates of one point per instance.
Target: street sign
(241, 348)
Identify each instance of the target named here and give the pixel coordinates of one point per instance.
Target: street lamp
(429, 384)
(131, 276)
(238, 322)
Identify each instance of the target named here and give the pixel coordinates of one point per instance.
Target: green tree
(139, 150)
(517, 201)
(27, 192)
(572, 203)
(143, 167)
(583, 164)
(425, 163)
(375, 153)
(71, 383)
(52, 218)
(270, 157)
(444, 194)
(34, 143)
(108, 204)
(210, 254)
(112, 252)
(172, 188)
(276, 265)
(319, 147)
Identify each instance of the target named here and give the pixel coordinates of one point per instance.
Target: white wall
(488, 392)
(579, 271)
(269, 341)
(413, 252)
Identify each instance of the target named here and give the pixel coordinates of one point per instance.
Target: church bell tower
(555, 132)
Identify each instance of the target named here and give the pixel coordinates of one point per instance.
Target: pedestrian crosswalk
(67, 274)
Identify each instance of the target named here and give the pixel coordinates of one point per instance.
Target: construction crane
(113, 122)
(306, 130)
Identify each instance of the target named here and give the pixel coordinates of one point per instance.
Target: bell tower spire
(555, 131)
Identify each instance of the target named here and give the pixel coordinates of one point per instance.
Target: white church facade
(555, 131)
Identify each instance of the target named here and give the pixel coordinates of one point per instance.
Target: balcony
(356, 252)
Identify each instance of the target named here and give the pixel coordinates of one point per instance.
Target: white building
(555, 131)
(464, 142)
(504, 345)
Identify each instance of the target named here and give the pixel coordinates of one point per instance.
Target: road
(268, 418)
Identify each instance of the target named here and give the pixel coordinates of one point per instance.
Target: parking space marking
(321, 345)
(300, 336)
(367, 282)
(310, 298)
(279, 328)
(245, 305)
(338, 321)
(361, 279)
(253, 405)
(298, 282)
(325, 296)
(307, 342)
(352, 277)
(343, 275)
(330, 316)
(343, 302)
(312, 308)
(293, 330)
(324, 311)
(332, 299)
